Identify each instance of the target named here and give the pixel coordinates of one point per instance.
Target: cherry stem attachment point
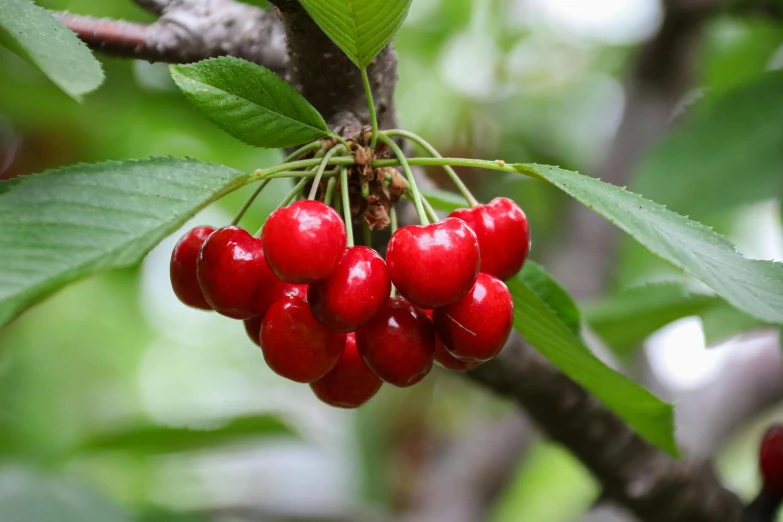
(371, 106)
(406, 167)
(472, 201)
(346, 205)
(321, 168)
(249, 202)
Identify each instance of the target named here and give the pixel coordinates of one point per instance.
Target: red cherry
(445, 359)
(433, 265)
(253, 328)
(350, 383)
(182, 268)
(503, 235)
(353, 293)
(292, 290)
(234, 276)
(771, 461)
(304, 241)
(398, 343)
(295, 344)
(476, 327)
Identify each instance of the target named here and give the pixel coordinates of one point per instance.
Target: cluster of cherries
(322, 313)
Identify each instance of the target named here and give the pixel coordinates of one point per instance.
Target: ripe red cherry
(253, 328)
(350, 383)
(295, 344)
(433, 265)
(477, 326)
(503, 235)
(234, 276)
(444, 357)
(353, 293)
(182, 268)
(398, 343)
(304, 241)
(771, 461)
(253, 325)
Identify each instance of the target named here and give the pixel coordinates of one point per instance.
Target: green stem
(455, 162)
(340, 139)
(406, 167)
(299, 164)
(346, 205)
(249, 202)
(330, 191)
(430, 211)
(429, 148)
(367, 234)
(303, 150)
(291, 195)
(321, 168)
(371, 106)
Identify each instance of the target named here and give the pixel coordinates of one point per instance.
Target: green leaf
(68, 223)
(701, 168)
(361, 28)
(35, 35)
(28, 495)
(755, 287)
(154, 440)
(644, 412)
(549, 290)
(625, 319)
(444, 200)
(721, 322)
(250, 102)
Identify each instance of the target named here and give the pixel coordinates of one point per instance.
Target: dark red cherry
(253, 328)
(503, 235)
(398, 343)
(433, 265)
(350, 383)
(292, 290)
(353, 293)
(477, 326)
(304, 241)
(182, 268)
(234, 276)
(295, 344)
(771, 461)
(445, 359)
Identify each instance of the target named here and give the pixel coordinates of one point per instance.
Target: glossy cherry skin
(771, 461)
(234, 276)
(253, 325)
(433, 265)
(477, 326)
(182, 268)
(398, 343)
(445, 359)
(353, 293)
(295, 344)
(304, 241)
(503, 235)
(350, 383)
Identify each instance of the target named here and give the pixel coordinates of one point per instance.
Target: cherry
(353, 293)
(477, 326)
(234, 276)
(295, 344)
(292, 290)
(433, 265)
(398, 343)
(771, 461)
(182, 268)
(253, 325)
(253, 328)
(444, 357)
(350, 383)
(304, 241)
(503, 235)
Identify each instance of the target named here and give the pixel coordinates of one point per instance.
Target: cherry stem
(321, 168)
(310, 147)
(406, 167)
(291, 195)
(330, 191)
(461, 162)
(430, 211)
(249, 202)
(371, 106)
(366, 233)
(340, 139)
(472, 201)
(283, 170)
(346, 205)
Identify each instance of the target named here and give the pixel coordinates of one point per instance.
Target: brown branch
(646, 481)
(189, 31)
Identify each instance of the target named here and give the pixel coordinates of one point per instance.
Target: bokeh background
(117, 403)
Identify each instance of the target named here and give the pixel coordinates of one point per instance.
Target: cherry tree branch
(189, 31)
